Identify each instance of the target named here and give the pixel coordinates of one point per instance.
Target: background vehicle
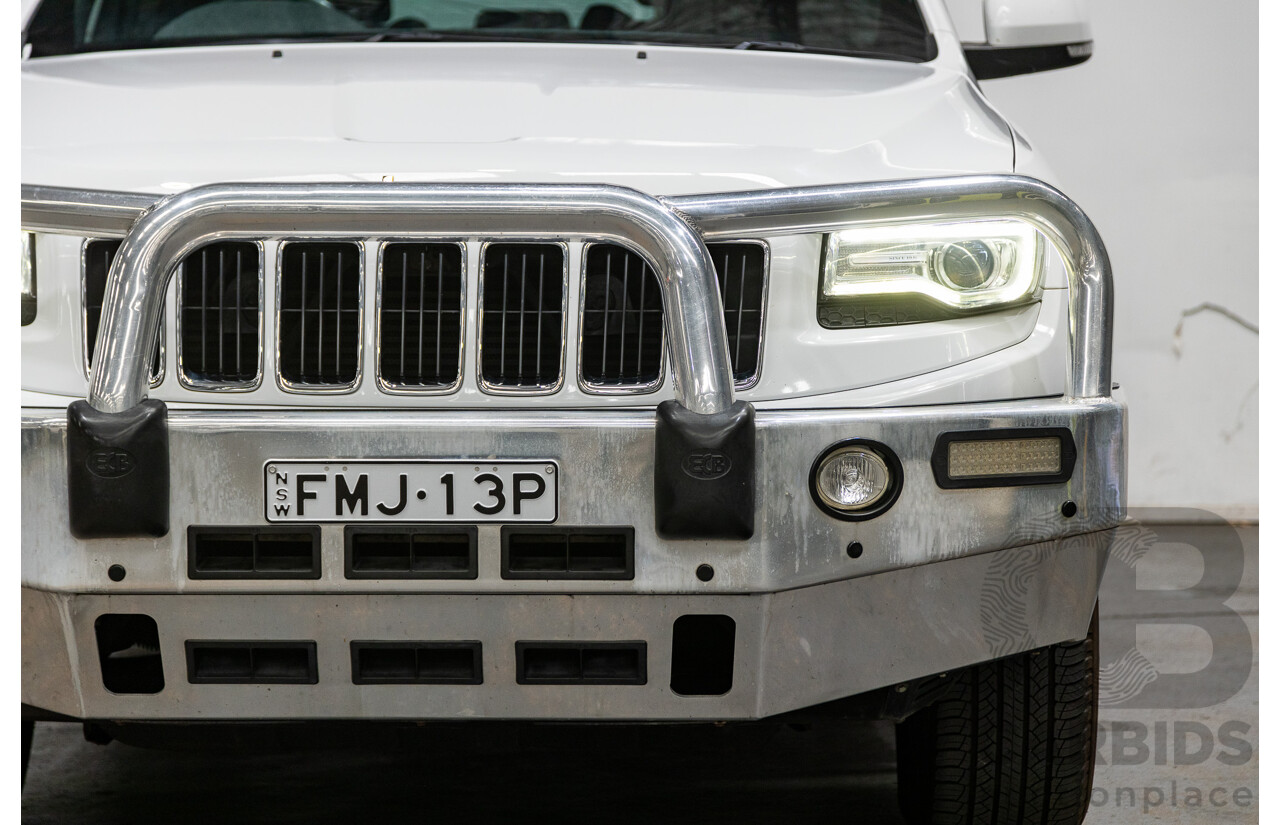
(667, 362)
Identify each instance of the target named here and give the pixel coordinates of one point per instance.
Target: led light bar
(1004, 458)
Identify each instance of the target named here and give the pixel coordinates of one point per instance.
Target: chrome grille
(98, 256)
(522, 317)
(621, 344)
(420, 310)
(319, 316)
(421, 313)
(219, 317)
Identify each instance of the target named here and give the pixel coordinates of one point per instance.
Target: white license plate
(466, 491)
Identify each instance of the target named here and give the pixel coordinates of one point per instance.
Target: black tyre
(28, 733)
(1013, 743)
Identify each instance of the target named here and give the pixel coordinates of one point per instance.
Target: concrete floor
(1206, 743)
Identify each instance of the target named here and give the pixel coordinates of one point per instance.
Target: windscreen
(890, 29)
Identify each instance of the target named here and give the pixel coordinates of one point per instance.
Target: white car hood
(665, 120)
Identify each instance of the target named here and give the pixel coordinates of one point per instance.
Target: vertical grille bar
(319, 328)
(521, 340)
(98, 256)
(420, 317)
(219, 316)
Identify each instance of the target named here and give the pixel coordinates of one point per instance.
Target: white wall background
(1156, 137)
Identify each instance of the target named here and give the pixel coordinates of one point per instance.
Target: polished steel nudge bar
(659, 229)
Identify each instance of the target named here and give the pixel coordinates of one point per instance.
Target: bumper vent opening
(251, 663)
(320, 313)
(220, 316)
(98, 256)
(411, 552)
(522, 317)
(581, 663)
(416, 663)
(420, 316)
(702, 655)
(621, 345)
(129, 653)
(602, 553)
(253, 552)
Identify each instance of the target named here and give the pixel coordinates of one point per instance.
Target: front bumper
(947, 578)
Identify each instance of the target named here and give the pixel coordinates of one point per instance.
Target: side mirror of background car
(1025, 36)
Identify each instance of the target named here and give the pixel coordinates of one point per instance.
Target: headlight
(902, 273)
(28, 278)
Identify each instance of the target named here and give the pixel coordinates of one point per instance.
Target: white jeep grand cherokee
(632, 360)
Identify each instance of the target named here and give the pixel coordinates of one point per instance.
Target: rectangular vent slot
(581, 663)
(702, 655)
(522, 316)
(98, 256)
(621, 320)
(420, 316)
(601, 553)
(416, 663)
(253, 552)
(740, 273)
(220, 315)
(411, 552)
(319, 335)
(129, 653)
(251, 663)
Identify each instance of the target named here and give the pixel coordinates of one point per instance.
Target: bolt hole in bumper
(947, 577)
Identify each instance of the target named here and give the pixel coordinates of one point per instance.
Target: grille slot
(522, 317)
(253, 552)
(320, 316)
(416, 663)
(740, 271)
(411, 552)
(220, 316)
(98, 256)
(622, 315)
(581, 663)
(420, 316)
(602, 553)
(622, 331)
(251, 663)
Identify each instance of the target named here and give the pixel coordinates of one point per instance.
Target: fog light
(1004, 458)
(856, 480)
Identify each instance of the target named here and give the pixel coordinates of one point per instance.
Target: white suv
(645, 360)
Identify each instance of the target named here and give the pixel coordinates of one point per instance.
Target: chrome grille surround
(540, 389)
(156, 376)
(205, 385)
(393, 388)
(307, 388)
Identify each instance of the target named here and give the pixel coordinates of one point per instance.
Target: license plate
(466, 491)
